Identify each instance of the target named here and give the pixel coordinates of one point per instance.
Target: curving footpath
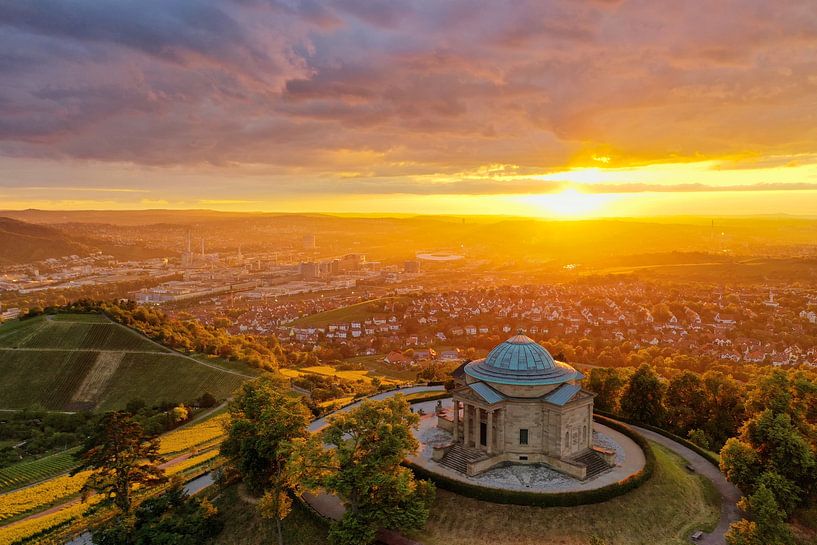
(729, 493)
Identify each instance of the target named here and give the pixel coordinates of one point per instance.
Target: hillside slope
(72, 363)
(26, 242)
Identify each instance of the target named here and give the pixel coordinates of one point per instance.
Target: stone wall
(578, 471)
(515, 390)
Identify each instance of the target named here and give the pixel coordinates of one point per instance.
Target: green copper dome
(521, 360)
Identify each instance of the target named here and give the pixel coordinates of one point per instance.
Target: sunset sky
(571, 108)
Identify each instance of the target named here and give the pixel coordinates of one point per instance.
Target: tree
(121, 457)
(180, 413)
(172, 517)
(606, 383)
(264, 419)
(740, 463)
(699, 437)
(642, 399)
(766, 524)
(357, 456)
(770, 442)
(686, 403)
(725, 410)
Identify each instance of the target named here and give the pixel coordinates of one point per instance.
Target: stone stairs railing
(458, 457)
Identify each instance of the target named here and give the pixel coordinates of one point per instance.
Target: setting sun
(571, 203)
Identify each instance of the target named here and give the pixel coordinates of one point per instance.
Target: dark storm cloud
(165, 29)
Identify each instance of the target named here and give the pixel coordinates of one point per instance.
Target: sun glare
(570, 203)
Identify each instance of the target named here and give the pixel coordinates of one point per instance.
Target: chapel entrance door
(483, 434)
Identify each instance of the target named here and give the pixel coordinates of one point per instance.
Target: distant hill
(502, 240)
(86, 362)
(26, 242)
(123, 217)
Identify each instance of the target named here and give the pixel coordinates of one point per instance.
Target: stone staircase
(458, 457)
(595, 463)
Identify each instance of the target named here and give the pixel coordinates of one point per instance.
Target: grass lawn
(353, 376)
(376, 365)
(243, 526)
(424, 396)
(357, 312)
(664, 511)
(327, 370)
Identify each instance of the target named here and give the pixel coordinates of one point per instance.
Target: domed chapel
(519, 405)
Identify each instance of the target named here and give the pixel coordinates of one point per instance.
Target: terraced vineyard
(91, 363)
(77, 335)
(31, 471)
(192, 462)
(42, 495)
(193, 436)
(26, 529)
(41, 378)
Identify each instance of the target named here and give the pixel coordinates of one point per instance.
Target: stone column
(456, 420)
(466, 424)
(501, 430)
(490, 438)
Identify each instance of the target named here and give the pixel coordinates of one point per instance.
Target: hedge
(708, 456)
(430, 396)
(557, 499)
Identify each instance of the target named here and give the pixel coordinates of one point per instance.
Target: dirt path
(98, 377)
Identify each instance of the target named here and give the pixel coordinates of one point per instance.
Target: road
(729, 493)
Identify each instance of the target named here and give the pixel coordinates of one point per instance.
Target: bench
(696, 536)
